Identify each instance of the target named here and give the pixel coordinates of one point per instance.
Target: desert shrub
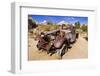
(44, 27)
(84, 28)
(54, 27)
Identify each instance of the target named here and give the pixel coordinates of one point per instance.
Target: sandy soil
(78, 50)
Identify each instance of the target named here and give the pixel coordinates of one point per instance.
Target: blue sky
(57, 19)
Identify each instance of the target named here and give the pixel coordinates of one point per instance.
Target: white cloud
(62, 22)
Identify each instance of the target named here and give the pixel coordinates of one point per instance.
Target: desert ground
(78, 50)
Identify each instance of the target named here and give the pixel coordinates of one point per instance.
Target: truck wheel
(65, 49)
(77, 35)
(62, 51)
(38, 47)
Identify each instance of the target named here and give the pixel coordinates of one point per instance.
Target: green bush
(77, 25)
(84, 28)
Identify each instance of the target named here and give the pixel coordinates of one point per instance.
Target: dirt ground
(78, 50)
